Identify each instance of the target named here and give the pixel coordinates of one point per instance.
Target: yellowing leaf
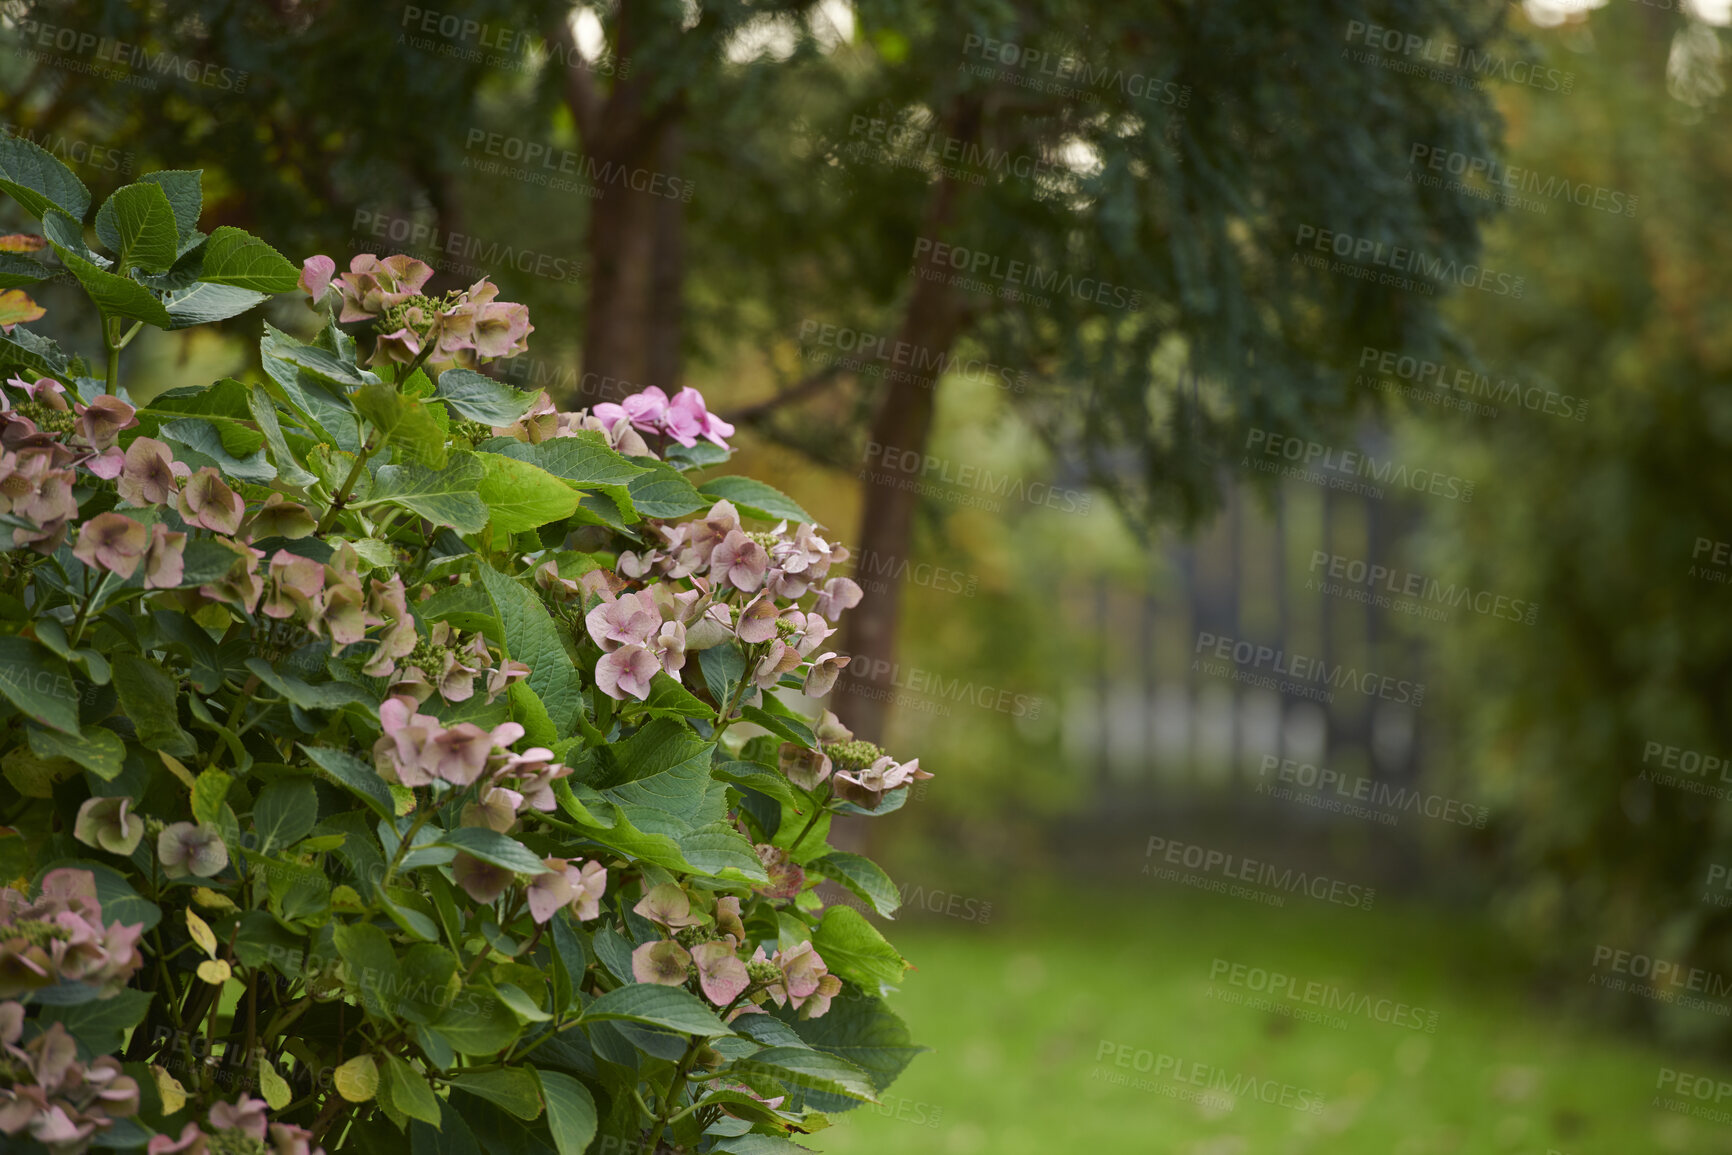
(17, 307)
(210, 899)
(404, 798)
(169, 1090)
(345, 898)
(201, 933)
(214, 971)
(273, 1086)
(176, 768)
(358, 1079)
(22, 243)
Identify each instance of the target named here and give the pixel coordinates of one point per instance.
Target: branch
(812, 385)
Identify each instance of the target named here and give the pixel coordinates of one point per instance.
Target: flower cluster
(47, 1093)
(60, 936)
(858, 771)
(412, 326)
(706, 946)
(241, 1126)
(44, 440)
(684, 419)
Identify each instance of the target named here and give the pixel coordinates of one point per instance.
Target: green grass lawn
(1017, 1011)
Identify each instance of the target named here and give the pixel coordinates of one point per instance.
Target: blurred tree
(1105, 198)
(1615, 525)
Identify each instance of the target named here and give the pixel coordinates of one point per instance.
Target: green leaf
(409, 1091)
(235, 257)
(864, 877)
(723, 666)
(406, 425)
(481, 398)
(32, 352)
(357, 776)
(17, 270)
(719, 849)
(862, 1030)
(203, 303)
(35, 178)
(752, 1143)
(664, 492)
(285, 812)
(755, 499)
(451, 1137)
(516, 1089)
(674, 1008)
(138, 223)
(205, 439)
(98, 750)
(521, 497)
(853, 949)
(33, 679)
(371, 965)
(208, 793)
(491, 846)
(476, 1023)
(443, 496)
(762, 779)
(149, 696)
(100, 1027)
(322, 364)
(793, 730)
(183, 187)
(669, 699)
(115, 295)
(570, 1112)
(532, 638)
(585, 461)
(323, 696)
(528, 712)
(809, 1070)
(264, 412)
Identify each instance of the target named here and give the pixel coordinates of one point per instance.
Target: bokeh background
(1224, 580)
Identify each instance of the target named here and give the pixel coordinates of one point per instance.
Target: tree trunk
(667, 276)
(930, 326)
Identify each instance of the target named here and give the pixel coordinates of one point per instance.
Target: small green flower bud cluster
(854, 754)
(47, 418)
(473, 432)
(234, 1143)
(36, 932)
(691, 936)
(763, 972)
(428, 658)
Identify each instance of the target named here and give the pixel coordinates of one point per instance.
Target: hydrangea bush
(391, 757)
